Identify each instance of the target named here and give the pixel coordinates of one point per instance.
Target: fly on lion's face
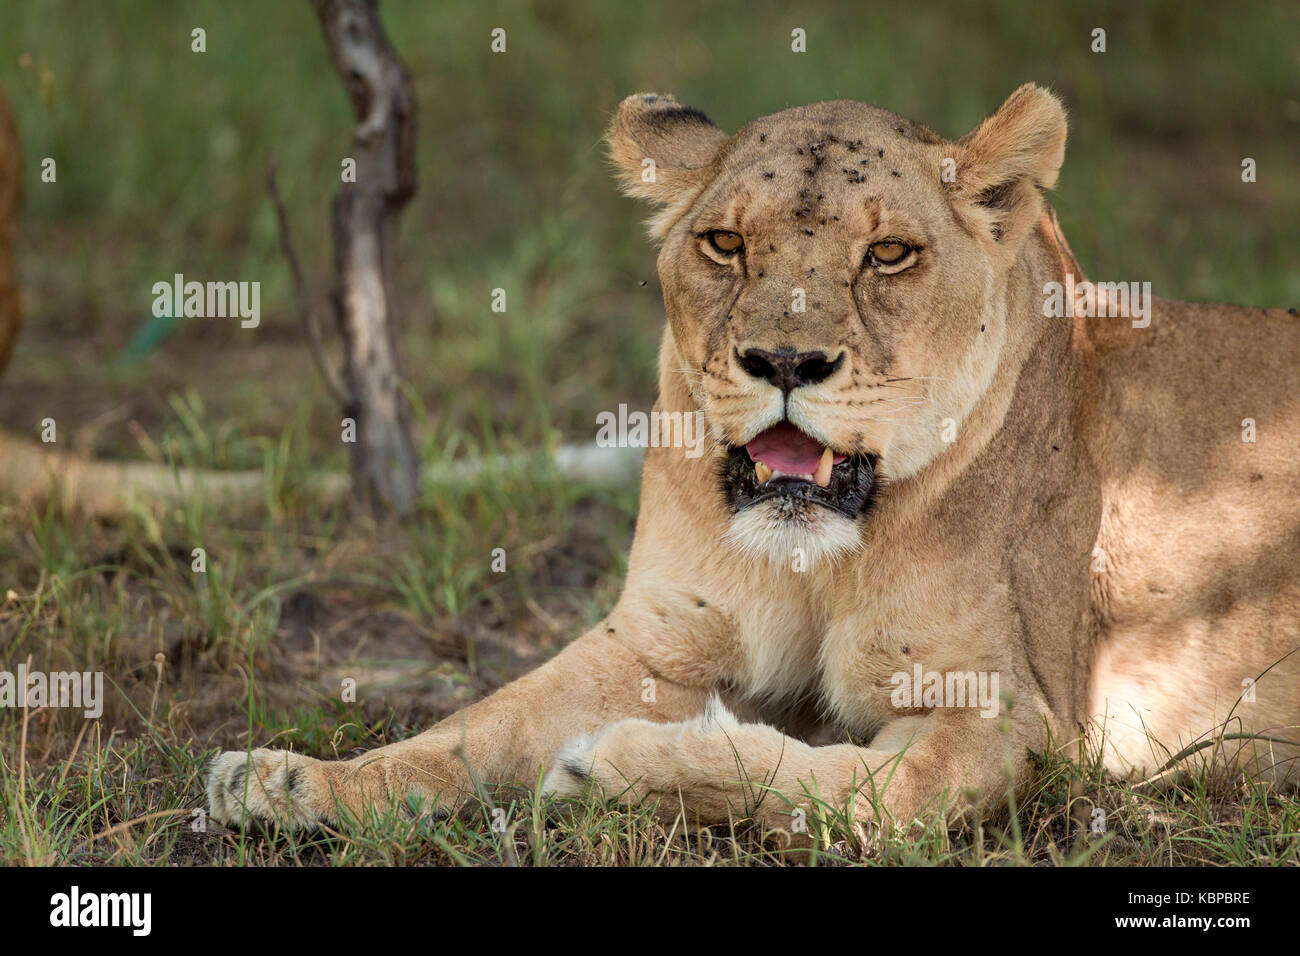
(813, 283)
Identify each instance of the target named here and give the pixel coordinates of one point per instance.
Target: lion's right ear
(1010, 160)
(662, 150)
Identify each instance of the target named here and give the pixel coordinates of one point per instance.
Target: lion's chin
(796, 502)
(792, 534)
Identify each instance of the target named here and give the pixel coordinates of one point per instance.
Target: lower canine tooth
(762, 472)
(823, 475)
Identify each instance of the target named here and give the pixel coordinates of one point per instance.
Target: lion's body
(1200, 528)
(10, 165)
(1064, 505)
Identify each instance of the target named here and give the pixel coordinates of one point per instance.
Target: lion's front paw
(572, 769)
(627, 760)
(637, 759)
(273, 786)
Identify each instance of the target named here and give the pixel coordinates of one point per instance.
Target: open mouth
(785, 464)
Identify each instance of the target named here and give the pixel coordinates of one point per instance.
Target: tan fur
(727, 683)
(10, 192)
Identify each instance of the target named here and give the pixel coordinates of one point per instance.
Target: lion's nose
(788, 369)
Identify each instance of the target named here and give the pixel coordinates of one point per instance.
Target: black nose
(788, 369)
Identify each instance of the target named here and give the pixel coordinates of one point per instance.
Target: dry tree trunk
(365, 212)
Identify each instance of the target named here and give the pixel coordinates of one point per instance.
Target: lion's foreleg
(509, 737)
(718, 769)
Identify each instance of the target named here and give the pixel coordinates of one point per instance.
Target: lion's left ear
(1007, 162)
(662, 151)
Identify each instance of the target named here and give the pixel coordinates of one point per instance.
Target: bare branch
(333, 382)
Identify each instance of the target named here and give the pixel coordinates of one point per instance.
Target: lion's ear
(662, 149)
(1007, 162)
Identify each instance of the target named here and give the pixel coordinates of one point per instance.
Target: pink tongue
(784, 448)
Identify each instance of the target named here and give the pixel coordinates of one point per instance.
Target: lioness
(924, 491)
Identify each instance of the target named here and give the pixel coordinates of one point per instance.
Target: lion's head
(834, 281)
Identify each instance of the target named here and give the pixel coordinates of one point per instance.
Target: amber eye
(889, 252)
(726, 243)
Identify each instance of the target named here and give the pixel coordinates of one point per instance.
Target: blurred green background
(161, 156)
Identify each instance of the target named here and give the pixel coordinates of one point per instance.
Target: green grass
(160, 156)
(132, 801)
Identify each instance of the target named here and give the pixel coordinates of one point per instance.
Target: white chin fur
(799, 539)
